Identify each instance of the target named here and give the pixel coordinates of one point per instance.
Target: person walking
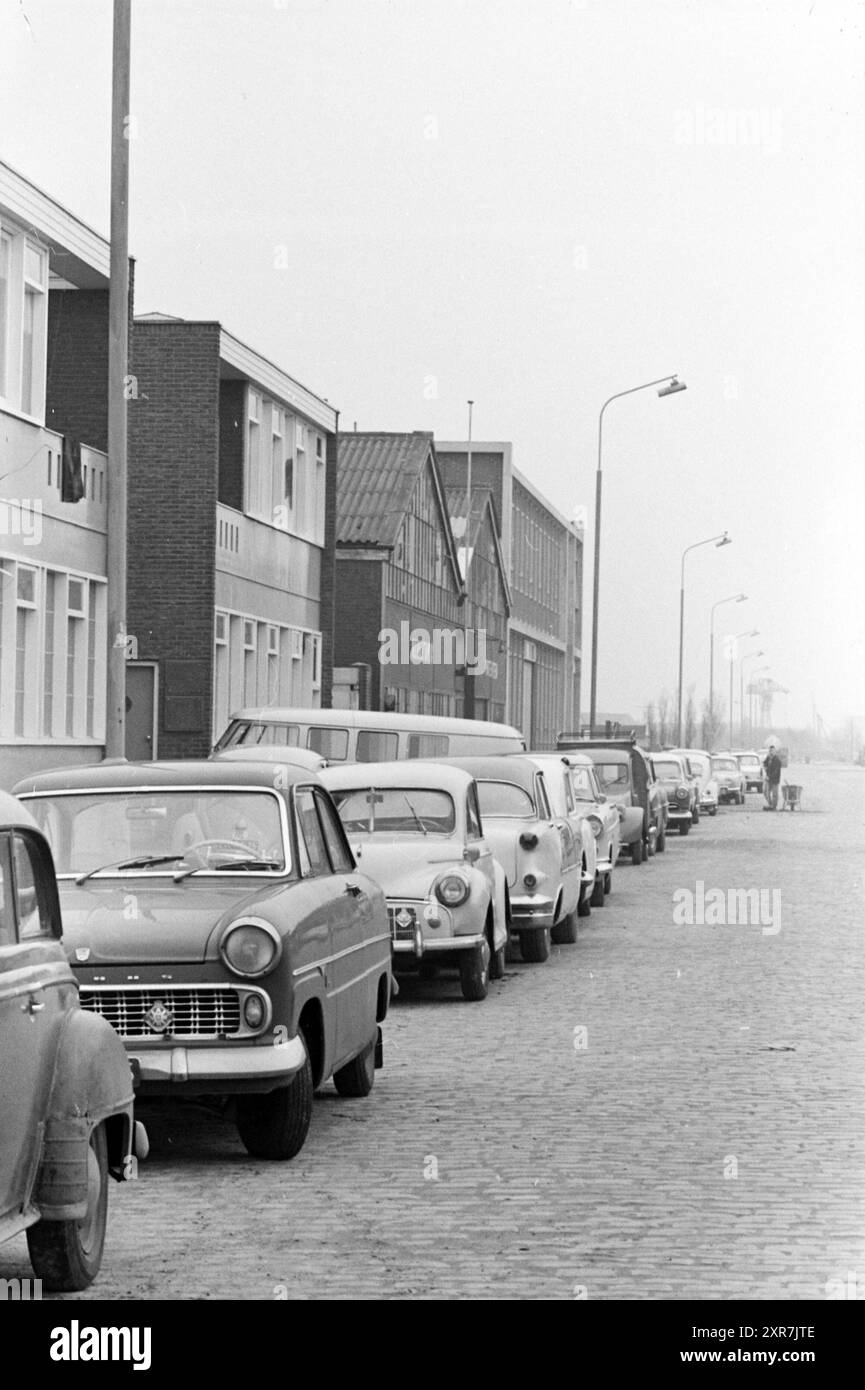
(772, 769)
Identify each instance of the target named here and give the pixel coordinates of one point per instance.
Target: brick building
(488, 605)
(232, 496)
(397, 572)
(544, 558)
(53, 482)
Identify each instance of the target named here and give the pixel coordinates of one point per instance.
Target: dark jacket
(773, 767)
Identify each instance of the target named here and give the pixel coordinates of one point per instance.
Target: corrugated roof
(377, 476)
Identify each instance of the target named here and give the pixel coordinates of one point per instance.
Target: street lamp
(747, 657)
(733, 640)
(732, 598)
(669, 386)
(723, 539)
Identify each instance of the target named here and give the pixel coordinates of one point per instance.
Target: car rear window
(396, 810)
(613, 776)
(505, 799)
(667, 768)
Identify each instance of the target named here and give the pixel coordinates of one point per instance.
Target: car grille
(402, 931)
(167, 1013)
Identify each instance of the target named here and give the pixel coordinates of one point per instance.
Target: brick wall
(358, 618)
(76, 393)
(328, 570)
(173, 476)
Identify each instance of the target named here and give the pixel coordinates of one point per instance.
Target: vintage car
(271, 753)
(575, 794)
(215, 915)
(752, 765)
(537, 849)
(415, 827)
(674, 774)
(627, 779)
(66, 1091)
(730, 778)
(700, 764)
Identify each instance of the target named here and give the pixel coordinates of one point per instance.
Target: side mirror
(471, 854)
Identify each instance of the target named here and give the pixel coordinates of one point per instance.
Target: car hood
(135, 921)
(405, 868)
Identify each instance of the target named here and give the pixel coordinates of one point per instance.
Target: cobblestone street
(701, 1139)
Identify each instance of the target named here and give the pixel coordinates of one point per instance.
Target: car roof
(613, 753)
(411, 772)
(117, 772)
(568, 757)
(503, 767)
(12, 813)
(372, 720)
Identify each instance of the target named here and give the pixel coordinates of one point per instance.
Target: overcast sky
(535, 204)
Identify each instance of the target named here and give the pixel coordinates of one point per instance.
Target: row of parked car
(233, 926)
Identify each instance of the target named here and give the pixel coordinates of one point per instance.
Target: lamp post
(747, 657)
(723, 539)
(469, 677)
(733, 640)
(732, 598)
(669, 386)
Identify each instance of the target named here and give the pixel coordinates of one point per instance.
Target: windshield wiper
(418, 822)
(143, 863)
(227, 865)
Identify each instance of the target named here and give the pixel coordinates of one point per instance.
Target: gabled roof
(376, 480)
(483, 506)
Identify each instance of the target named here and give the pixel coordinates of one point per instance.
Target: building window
(23, 321)
(5, 270)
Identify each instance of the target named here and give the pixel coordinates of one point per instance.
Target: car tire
(535, 945)
(564, 933)
(597, 898)
(637, 852)
(275, 1125)
(474, 966)
(661, 841)
(695, 816)
(66, 1255)
(684, 827)
(608, 882)
(497, 962)
(357, 1076)
(713, 811)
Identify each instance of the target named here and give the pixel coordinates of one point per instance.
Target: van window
(330, 743)
(428, 745)
(376, 747)
(268, 735)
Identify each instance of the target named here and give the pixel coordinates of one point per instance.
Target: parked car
(572, 781)
(220, 923)
(751, 764)
(416, 828)
(538, 850)
(66, 1118)
(273, 753)
(368, 736)
(731, 778)
(626, 777)
(675, 776)
(700, 764)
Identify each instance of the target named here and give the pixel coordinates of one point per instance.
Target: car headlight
(250, 948)
(595, 825)
(452, 890)
(682, 794)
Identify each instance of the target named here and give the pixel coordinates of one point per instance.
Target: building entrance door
(141, 710)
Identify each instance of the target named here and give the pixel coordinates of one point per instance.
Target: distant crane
(764, 690)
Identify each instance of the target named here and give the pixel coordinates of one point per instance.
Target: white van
(368, 736)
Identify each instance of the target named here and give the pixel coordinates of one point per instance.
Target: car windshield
(725, 765)
(505, 800)
(253, 733)
(667, 767)
(699, 764)
(583, 784)
(613, 776)
(164, 830)
(396, 811)
(749, 760)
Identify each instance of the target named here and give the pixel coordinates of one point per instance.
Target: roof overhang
(79, 256)
(243, 362)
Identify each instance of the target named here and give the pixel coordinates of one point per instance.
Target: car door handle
(354, 889)
(31, 1007)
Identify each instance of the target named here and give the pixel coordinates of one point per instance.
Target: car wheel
(661, 841)
(535, 945)
(695, 816)
(608, 882)
(475, 972)
(357, 1076)
(66, 1255)
(497, 962)
(564, 933)
(713, 811)
(741, 798)
(684, 827)
(637, 852)
(597, 898)
(275, 1125)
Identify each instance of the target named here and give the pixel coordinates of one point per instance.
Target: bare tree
(664, 715)
(690, 719)
(652, 724)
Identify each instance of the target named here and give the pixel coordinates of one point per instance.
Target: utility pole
(469, 677)
(118, 356)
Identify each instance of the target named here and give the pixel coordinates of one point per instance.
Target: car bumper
(676, 814)
(421, 946)
(707, 801)
(532, 912)
(220, 1068)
